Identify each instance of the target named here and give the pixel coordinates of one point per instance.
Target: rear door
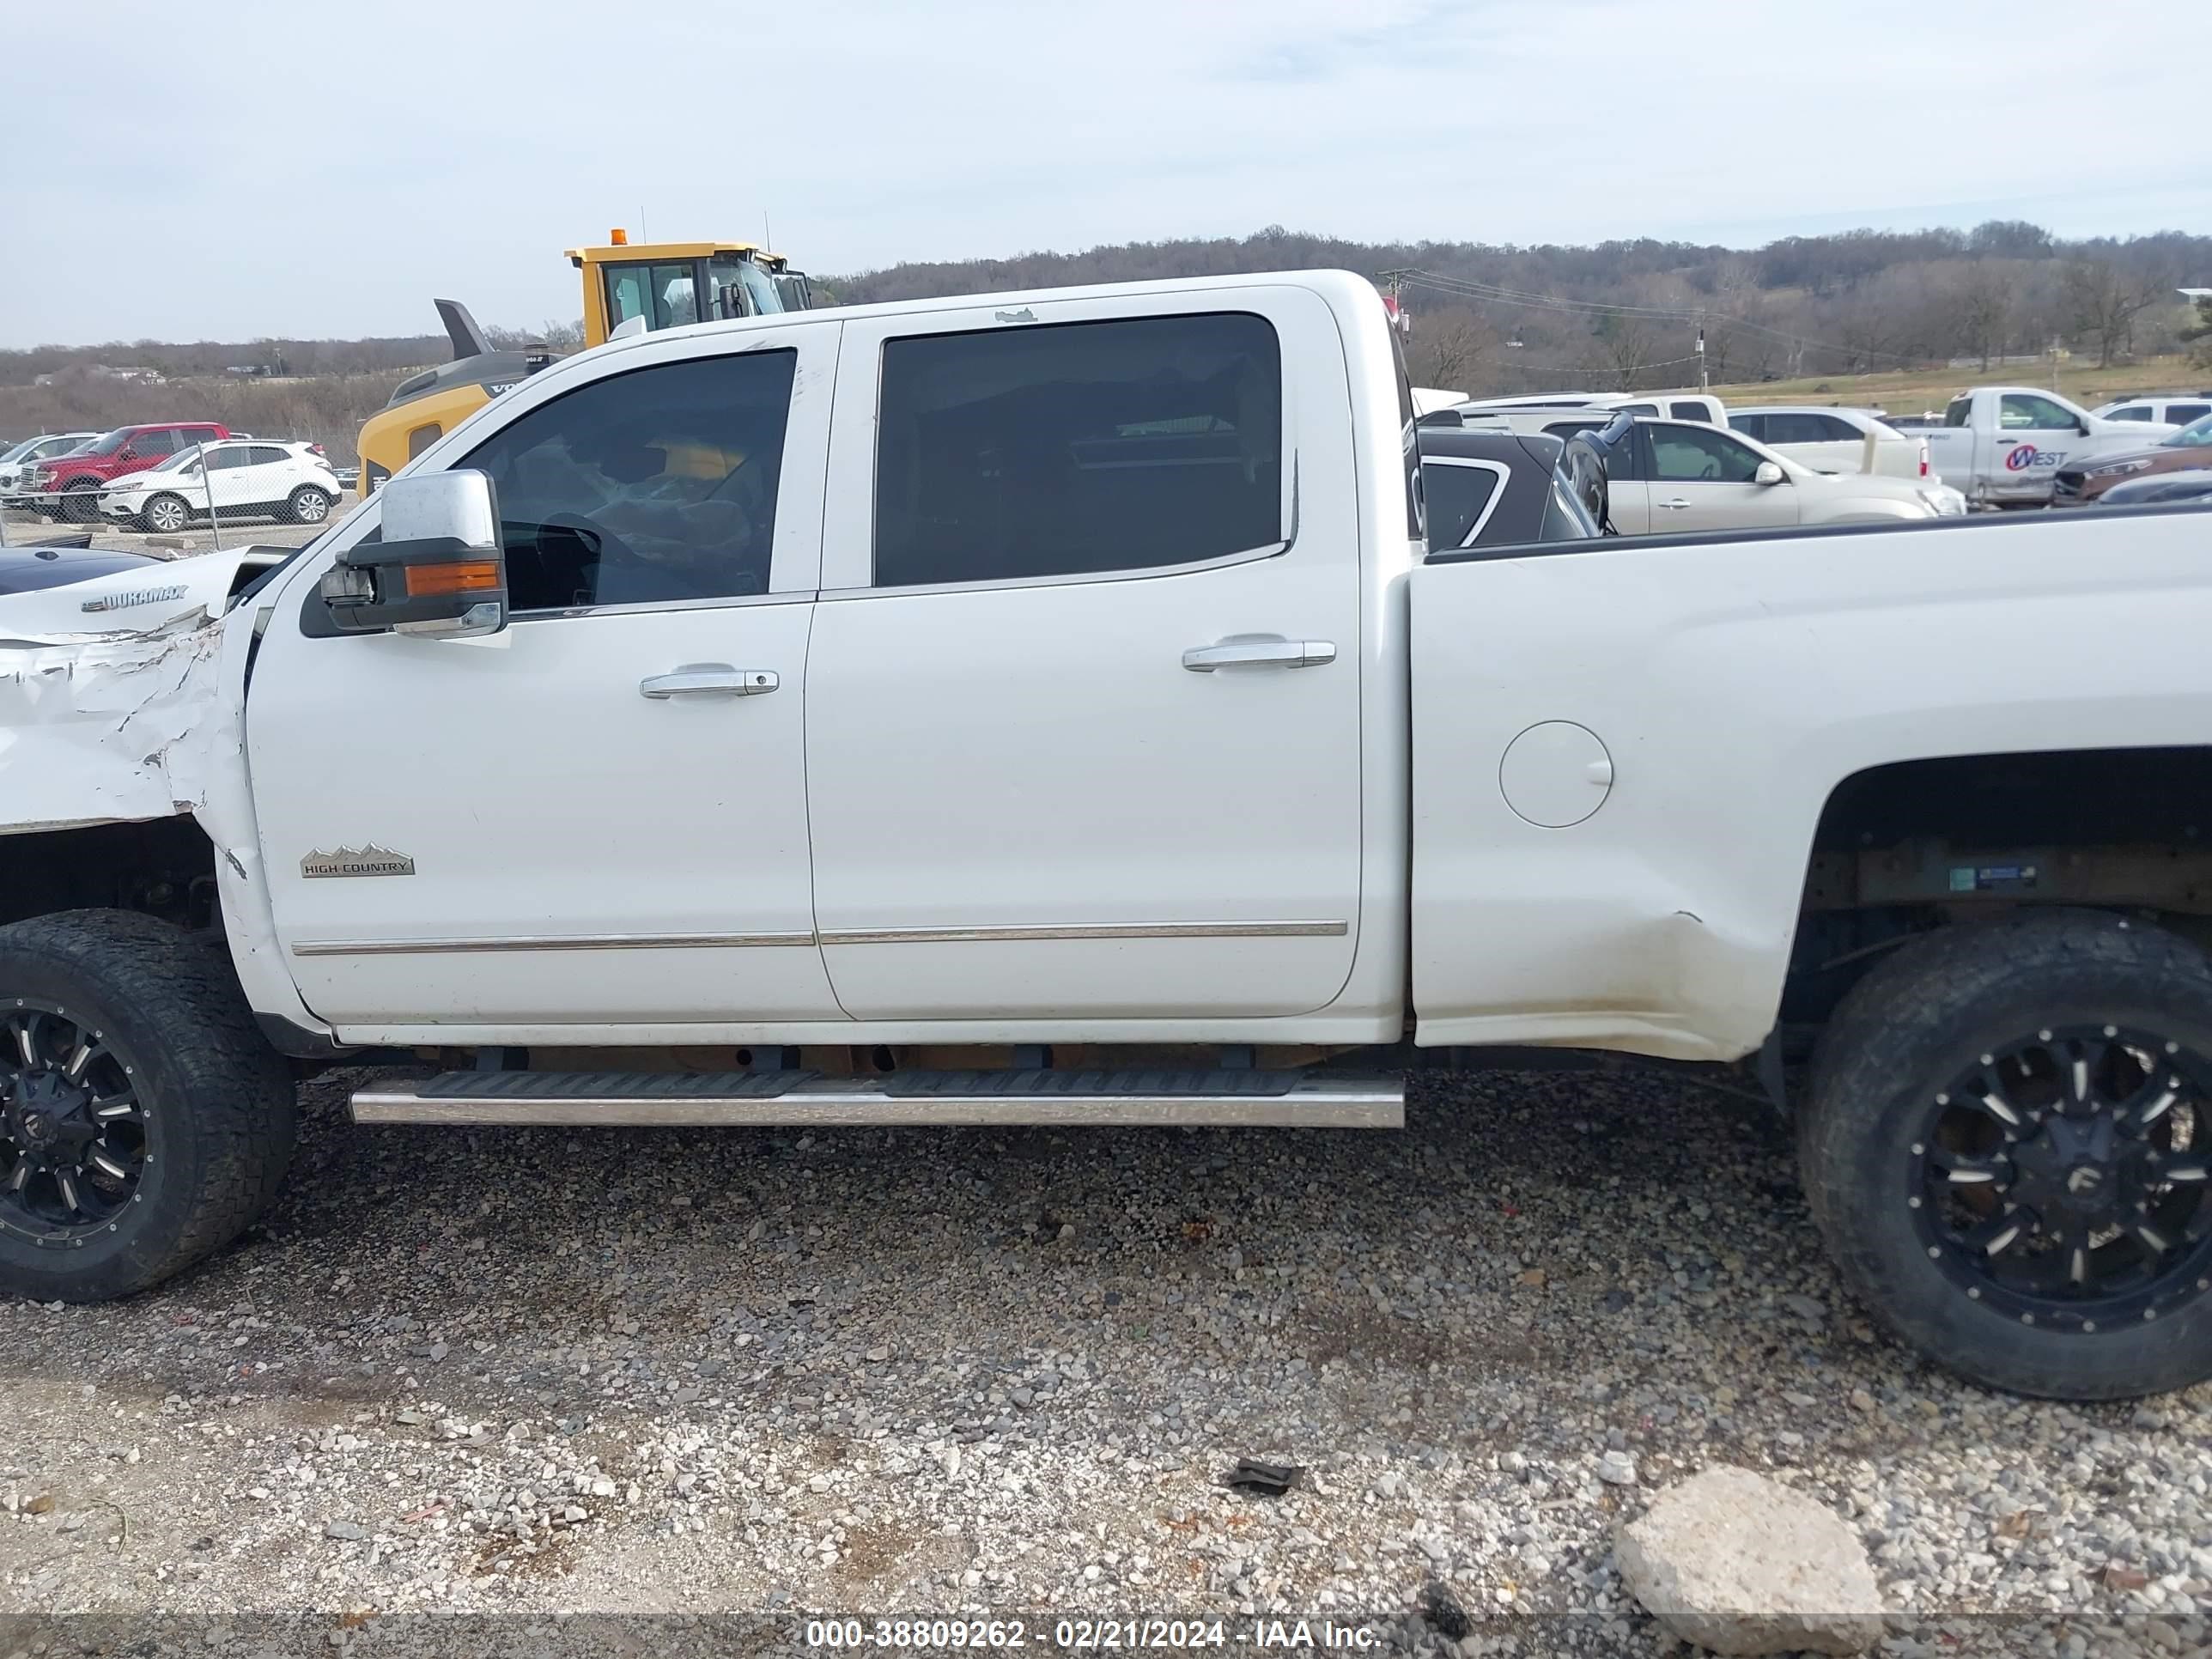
(1702, 479)
(1083, 737)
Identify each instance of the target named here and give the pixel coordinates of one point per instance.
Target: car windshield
(17, 452)
(183, 460)
(108, 443)
(2190, 437)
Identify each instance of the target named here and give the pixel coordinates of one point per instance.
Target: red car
(79, 476)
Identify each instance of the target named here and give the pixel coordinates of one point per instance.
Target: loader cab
(669, 284)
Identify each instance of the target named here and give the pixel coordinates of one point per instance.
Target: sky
(261, 167)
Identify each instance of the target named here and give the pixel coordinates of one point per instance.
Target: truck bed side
(1728, 686)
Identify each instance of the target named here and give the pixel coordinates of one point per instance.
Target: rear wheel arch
(1891, 841)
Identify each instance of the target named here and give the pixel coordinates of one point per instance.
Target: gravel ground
(507, 1375)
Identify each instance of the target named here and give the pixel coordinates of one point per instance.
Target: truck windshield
(755, 289)
(108, 443)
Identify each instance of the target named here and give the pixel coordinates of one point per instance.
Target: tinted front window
(1685, 454)
(656, 486)
(1455, 495)
(1010, 453)
(158, 442)
(2025, 412)
(2183, 413)
(223, 460)
(2138, 413)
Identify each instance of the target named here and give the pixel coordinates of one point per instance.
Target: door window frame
(848, 548)
(795, 555)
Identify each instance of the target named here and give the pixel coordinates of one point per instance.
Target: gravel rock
(1450, 1419)
(1733, 1562)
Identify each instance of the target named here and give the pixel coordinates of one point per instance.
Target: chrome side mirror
(436, 567)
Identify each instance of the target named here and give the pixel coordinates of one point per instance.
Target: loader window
(666, 295)
(655, 487)
(1073, 448)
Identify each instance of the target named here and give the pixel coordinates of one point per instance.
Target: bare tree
(2103, 302)
(1629, 346)
(1979, 306)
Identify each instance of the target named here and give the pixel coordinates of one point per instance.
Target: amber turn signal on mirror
(426, 581)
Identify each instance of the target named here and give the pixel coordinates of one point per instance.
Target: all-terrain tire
(1924, 1017)
(218, 1103)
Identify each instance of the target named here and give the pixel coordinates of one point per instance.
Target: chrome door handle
(709, 679)
(1258, 651)
(1677, 501)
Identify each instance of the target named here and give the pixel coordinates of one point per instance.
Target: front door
(1083, 694)
(2035, 435)
(1702, 479)
(597, 818)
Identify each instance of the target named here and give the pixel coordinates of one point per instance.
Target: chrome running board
(1105, 1099)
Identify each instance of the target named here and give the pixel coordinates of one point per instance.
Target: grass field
(1912, 392)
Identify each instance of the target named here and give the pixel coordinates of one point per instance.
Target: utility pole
(1703, 384)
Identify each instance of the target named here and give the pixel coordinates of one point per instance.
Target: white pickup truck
(1044, 709)
(2002, 446)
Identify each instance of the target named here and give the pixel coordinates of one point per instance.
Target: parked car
(2002, 445)
(2178, 451)
(1484, 489)
(79, 476)
(1668, 476)
(1116, 593)
(1835, 440)
(292, 481)
(18, 459)
(25, 569)
(1674, 405)
(2173, 410)
(2159, 487)
(1543, 420)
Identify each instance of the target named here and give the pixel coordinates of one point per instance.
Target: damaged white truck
(1044, 709)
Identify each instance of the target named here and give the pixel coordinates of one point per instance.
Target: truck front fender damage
(111, 727)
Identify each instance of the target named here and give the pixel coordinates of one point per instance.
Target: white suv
(292, 482)
(2181, 409)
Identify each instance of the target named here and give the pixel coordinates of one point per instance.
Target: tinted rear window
(1457, 496)
(1078, 447)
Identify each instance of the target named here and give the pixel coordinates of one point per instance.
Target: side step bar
(1106, 1099)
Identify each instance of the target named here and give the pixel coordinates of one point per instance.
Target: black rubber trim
(2022, 522)
(610, 1085)
(296, 1041)
(1175, 1084)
